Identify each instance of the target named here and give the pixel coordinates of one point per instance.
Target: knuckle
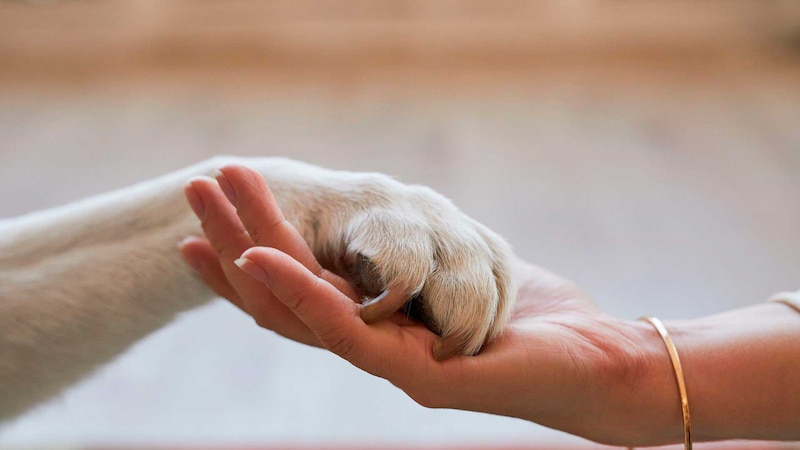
(232, 244)
(338, 342)
(259, 232)
(296, 300)
(255, 234)
(221, 247)
(334, 338)
(296, 297)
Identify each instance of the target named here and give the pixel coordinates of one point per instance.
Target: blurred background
(648, 150)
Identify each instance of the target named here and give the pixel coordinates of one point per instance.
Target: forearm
(742, 374)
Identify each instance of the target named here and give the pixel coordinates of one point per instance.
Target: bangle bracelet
(790, 299)
(676, 366)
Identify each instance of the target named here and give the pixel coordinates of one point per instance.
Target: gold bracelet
(676, 366)
(790, 299)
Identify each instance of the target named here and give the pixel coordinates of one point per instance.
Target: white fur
(79, 284)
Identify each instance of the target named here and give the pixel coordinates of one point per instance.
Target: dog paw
(409, 249)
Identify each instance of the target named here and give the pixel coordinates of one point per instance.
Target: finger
(226, 235)
(229, 239)
(261, 215)
(199, 254)
(265, 223)
(332, 316)
(398, 354)
(218, 218)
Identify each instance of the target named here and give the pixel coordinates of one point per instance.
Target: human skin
(561, 363)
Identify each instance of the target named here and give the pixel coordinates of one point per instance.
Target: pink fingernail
(252, 269)
(195, 200)
(226, 187)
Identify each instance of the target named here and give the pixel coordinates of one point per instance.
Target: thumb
(399, 354)
(332, 316)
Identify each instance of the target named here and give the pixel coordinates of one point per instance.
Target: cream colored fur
(79, 284)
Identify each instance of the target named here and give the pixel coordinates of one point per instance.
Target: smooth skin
(562, 363)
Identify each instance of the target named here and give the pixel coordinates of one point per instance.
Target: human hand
(401, 246)
(560, 363)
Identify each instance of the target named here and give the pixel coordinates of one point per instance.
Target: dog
(81, 283)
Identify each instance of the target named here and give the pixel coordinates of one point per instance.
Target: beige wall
(86, 42)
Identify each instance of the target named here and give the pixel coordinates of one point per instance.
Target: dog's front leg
(79, 284)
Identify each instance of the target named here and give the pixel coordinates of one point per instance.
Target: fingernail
(252, 269)
(186, 240)
(226, 187)
(195, 201)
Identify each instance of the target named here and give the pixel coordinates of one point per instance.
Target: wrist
(647, 406)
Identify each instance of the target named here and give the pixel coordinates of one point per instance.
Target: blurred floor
(665, 185)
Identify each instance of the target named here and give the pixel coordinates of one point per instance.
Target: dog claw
(389, 302)
(447, 346)
(383, 306)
